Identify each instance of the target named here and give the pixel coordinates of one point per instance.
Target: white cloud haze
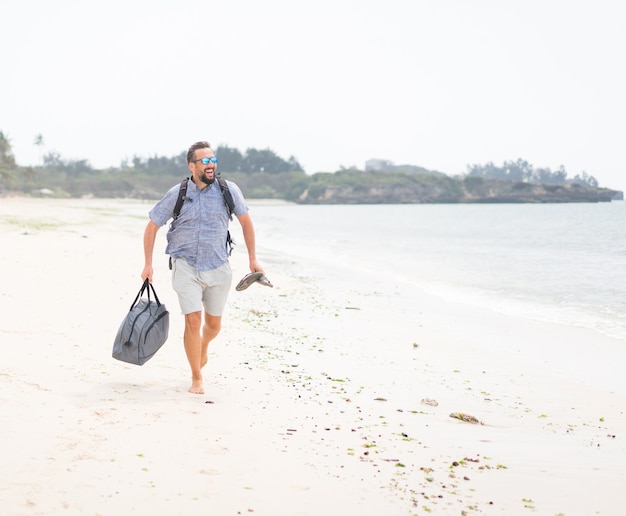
(437, 84)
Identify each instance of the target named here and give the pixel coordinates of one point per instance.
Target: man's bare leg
(212, 326)
(193, 348)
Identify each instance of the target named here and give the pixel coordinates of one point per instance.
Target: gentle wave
(562, 263)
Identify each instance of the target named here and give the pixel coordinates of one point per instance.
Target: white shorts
(201, 289)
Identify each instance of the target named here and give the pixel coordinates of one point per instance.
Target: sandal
(248, 280)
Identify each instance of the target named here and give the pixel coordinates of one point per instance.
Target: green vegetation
(523, 172)
(7, 161)
(263, 174)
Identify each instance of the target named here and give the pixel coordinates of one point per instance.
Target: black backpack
(228, 202)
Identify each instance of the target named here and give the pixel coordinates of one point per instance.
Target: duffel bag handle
(156, 298)
(146, 285)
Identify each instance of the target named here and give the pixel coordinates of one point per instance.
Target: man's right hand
(147, 273)
(149, 237)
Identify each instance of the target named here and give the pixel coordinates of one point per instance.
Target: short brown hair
(191, 153)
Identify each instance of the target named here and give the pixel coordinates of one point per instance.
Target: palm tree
(40, 144)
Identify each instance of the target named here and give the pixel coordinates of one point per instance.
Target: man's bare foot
(196, 387)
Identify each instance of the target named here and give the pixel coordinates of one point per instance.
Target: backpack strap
(228, 197)
(182, 191)
(230, 209)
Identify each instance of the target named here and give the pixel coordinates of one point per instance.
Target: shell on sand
(468, 418)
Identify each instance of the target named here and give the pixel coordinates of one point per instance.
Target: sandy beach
(327, 394)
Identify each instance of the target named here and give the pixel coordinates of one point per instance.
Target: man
(198, 247)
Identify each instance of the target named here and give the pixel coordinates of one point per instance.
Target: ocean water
(563, 263)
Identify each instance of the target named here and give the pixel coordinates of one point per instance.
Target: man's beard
(206, 180)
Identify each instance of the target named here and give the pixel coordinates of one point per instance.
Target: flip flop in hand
(253, 277)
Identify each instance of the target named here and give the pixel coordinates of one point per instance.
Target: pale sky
(435, 83)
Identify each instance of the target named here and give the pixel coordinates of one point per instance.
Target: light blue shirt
(199, 234)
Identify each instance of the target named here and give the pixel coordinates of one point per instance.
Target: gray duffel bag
(144, 329)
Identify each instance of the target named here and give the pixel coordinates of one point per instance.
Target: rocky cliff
(451, 190)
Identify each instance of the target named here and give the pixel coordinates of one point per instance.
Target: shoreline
(314, 391)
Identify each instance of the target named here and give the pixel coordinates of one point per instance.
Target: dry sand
(314, 391)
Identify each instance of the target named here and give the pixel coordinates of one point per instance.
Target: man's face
(200, 171)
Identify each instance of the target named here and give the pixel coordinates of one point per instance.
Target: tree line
(259, 173)
(524, 172)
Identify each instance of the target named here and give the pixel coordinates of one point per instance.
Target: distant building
(379, 164)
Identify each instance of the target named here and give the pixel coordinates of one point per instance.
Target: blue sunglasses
(206, 161)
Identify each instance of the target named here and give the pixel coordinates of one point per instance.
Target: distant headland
(262, 174)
